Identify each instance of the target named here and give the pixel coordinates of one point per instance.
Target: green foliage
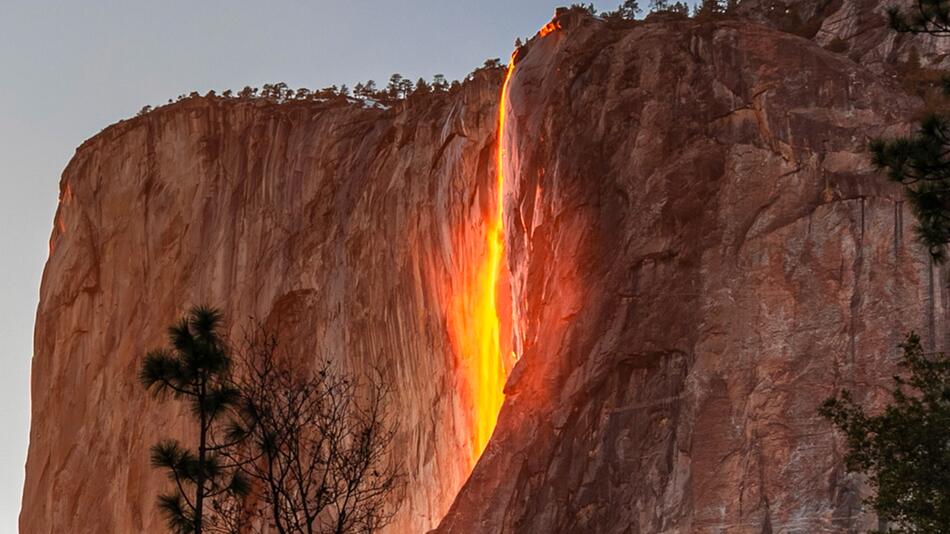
(490, 64)
(439, 83)
(422, 87)
(395, 83)
(316, 457)
(927, 16)
(921, 163)
(926, 82)
(398, 88)
(709, 9)
(587, 8)
(664, 6)
(704, 9)
(905, 450)
(786, 15)
(627, 10)
(195, 369)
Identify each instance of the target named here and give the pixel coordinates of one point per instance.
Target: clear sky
(70, 68)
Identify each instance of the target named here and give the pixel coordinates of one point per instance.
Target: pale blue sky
(68, 69)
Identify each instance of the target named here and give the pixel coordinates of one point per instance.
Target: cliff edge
(697, 252)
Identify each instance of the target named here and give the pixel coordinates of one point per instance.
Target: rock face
(698, 254)
(855, 28)
(348, 230)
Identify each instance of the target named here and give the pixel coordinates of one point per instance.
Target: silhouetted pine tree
(664, 6)
(421, 88)
(708, 8)
(395, 82)
(921, 162)
(629, 9)
(369, 89)
(589, 8)
(928, 16)
(680, 8)
(405, 88)
(905, 449)
(195, 369)
(439, 83)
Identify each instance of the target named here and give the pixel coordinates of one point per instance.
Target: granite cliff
(347, 230)
(855, 28)
(696, 253)
(700, 254)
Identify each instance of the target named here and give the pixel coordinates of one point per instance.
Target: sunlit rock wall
(700, 254)
(347, 229)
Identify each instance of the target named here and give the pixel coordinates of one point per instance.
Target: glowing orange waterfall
(475, 318)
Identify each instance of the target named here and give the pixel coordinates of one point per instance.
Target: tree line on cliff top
(368, 93)
(400, 88)
(630, 9)
(277, 445)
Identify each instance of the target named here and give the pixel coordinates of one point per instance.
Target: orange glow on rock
(475, 322)
(550, 27)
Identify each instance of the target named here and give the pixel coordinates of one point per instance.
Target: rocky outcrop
(697, 249)
(855, 28)
(348, 230)
(700, 254)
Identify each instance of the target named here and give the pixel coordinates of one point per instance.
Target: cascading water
(476, 323)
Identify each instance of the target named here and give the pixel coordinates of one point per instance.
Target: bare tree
(315, 445)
